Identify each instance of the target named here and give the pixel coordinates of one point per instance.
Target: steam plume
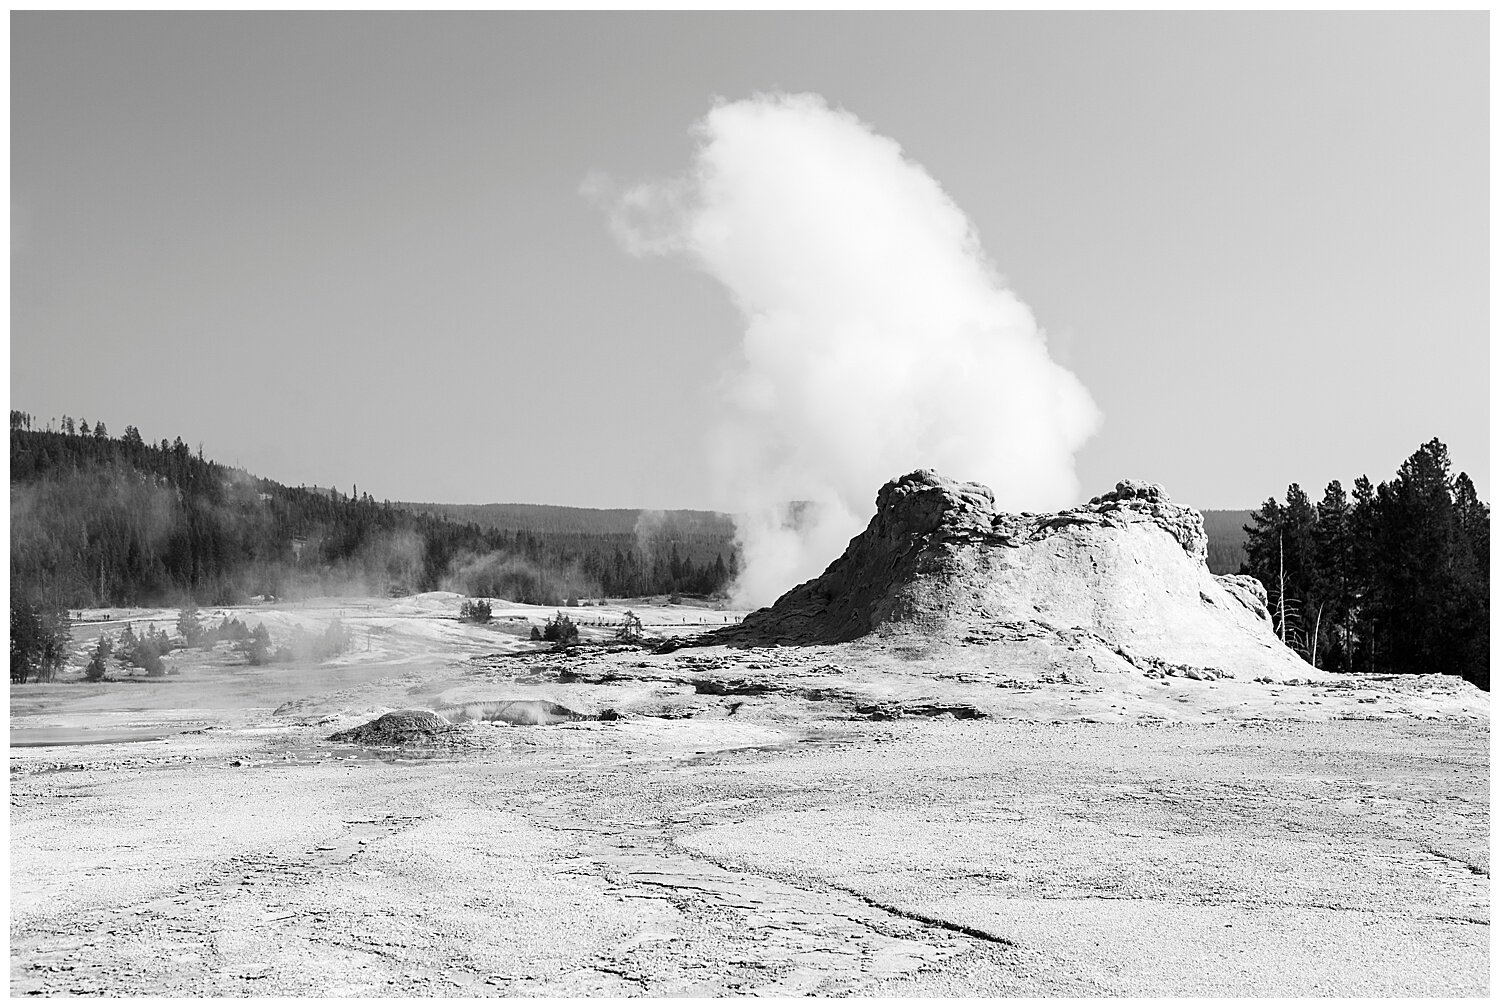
(878, 336)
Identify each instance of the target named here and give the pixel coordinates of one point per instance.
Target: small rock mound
(1133, 500)
(1131, 490)
(400, 728)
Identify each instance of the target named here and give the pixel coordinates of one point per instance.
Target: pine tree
(1469, 605)
(39, 638)
(189, 626)
(1416, 569)
(98, 659)
(1331, 591)
(257, 646)
(1299, 521)
(1279, 552)
(1365, 531)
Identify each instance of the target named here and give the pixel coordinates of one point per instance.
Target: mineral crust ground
(884, 817)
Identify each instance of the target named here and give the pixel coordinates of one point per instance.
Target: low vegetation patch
(475, 612)
(301, 645)
(560, 630)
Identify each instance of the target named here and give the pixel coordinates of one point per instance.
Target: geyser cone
(1127, 569)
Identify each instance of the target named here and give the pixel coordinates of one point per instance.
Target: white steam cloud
(878, 336)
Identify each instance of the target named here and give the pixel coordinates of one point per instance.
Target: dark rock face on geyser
(1127, 569)
(399, 728)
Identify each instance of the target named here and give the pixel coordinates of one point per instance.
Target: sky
(357, 249)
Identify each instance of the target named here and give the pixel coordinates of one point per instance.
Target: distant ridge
(579, 520)
(1226, 540)
(1226, 534)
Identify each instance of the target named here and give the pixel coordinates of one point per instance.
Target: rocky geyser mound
(400, 728)
(1127, 569)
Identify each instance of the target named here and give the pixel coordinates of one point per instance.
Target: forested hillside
(558, 518)
(1226, 540)
(700, 536)
(98, 520)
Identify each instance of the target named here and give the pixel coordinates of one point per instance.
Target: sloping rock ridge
(1129, 567)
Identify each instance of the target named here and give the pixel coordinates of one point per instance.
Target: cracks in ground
(692, 671)
(930, 921)
(181, 922)
(1470, 866)
(753, 931)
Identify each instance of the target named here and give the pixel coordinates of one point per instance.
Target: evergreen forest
(1393, 578)
(103, 521)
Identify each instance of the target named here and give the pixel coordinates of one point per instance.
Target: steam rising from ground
(878, 336)
(513, 577)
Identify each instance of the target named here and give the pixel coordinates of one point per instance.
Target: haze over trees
(1393, 578)
(117, 521)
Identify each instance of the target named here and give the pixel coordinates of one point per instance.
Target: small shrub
(230, 630)
(257, 647)
(162, 641)
(475, 612)
(189, 626)
(144, 651)
(561, 630)
(632, 632)
(338, 638)
(97, 666)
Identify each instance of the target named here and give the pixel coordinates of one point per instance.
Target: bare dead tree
(1317, 624)
(1288, 611)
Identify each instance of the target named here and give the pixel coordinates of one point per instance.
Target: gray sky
(345, 249)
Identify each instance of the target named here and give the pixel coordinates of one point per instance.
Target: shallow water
(799, 741)
(53, 735)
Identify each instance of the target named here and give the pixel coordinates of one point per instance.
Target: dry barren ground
(834, 821)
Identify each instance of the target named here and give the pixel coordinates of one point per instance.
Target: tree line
(101, 521)
(1391, 579)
